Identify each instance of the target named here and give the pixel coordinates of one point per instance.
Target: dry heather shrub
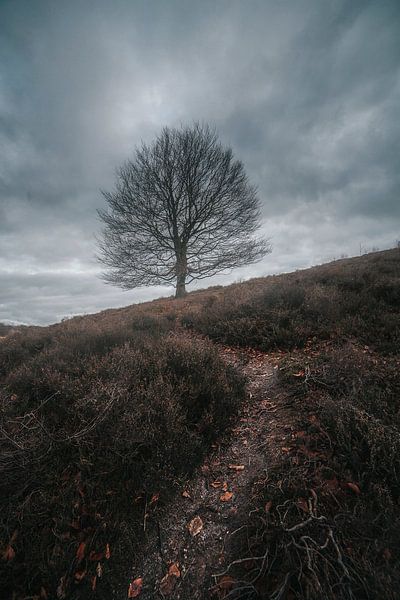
(325, 521)
(90, 429)
(358, 298)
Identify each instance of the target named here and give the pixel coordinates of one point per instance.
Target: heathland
(241, 442)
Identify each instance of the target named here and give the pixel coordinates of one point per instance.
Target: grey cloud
(307, 93)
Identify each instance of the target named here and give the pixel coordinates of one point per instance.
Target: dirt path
(217, 500)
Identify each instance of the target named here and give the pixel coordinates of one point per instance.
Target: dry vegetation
(95, 422)
(100, 414)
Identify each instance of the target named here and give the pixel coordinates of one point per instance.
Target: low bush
(93, 428)
(325, 521)
(359, 298)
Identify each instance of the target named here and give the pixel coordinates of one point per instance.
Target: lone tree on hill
(182, 209)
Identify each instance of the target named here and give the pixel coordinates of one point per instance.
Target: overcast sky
(307, 93)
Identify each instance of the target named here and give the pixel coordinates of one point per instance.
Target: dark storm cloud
(306, 92)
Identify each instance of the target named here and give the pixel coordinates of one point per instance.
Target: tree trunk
(181, 271)
(180, 291)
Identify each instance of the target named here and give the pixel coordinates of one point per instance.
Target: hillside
(242, 442)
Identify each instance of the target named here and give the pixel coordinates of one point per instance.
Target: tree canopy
(182, 210)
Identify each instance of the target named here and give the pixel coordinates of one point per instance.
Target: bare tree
(182, 210)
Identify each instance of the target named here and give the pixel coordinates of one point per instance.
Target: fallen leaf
(195, 526)
(94, 581)
(236, 467)
(95, 556)
(174, 570)
(302, 504)
(353, 487)
(313, 419)
(285, 449)
(9, 553)
(79, 575)
(167, 584)
(299, 434)
(226, 582)
(43, 594)
(225, 486)
(268, 506)
(216, 484)
(13, 537)
(135, 588)
(80, 553)
(299, 374)
(61, 588)
(155, 498)
(226, 497)
(331, 484)
(99, 570)
(108, 553)
(186, 494)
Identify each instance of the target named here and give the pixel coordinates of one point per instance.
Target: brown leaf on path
(353, 487)
(226, 497)
(135, 588)
(9, 553)
(168, 582)
(93, 555)
(186, 494)
(226, 582)
(43, 594)
(94, 581)
(155, 497)
(79, 575)
(61, 588)
(80, 553)
(302, 504)
(225, 486)
(268, 506)
(299, 434)
(331, 484)
(236, 467)
(108, 552)
(313, 419)
(167, 585)
(13, 537)
(216, 484)
(174, 570)
(99, 570)
(195, 526)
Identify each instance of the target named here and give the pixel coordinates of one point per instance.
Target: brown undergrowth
(325, 519)
(94, 426)
(105, 418)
